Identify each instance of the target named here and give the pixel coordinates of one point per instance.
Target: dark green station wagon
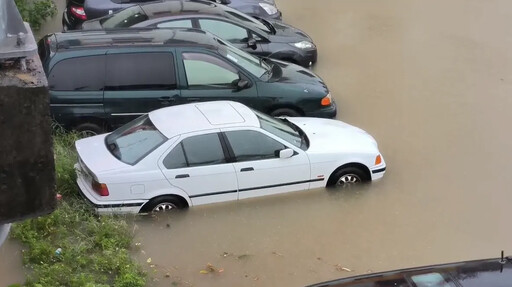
(99, 80)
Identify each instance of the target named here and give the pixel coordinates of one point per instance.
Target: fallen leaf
(221, 270)
(204, 272)
(277, 253)
(346, 269)
(167, 275)
(341, 268)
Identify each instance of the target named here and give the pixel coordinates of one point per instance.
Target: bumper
(329, 112)
(378, 171)
(100, 206)
(308, 58)
(69, 22)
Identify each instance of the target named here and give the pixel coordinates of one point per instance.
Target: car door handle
(166, 99)
(247, 169)
(182, 176)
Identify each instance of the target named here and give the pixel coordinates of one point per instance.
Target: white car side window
(251, 145)
(196, 151)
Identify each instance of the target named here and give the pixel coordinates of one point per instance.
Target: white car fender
(171, 190)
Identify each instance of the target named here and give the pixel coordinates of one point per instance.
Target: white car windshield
(249, 62)
(125, 18)
(135, 140)
(283, 129)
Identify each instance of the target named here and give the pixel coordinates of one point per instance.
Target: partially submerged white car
(209, 152)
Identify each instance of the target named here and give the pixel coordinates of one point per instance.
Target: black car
(477, 273)
(100, 80)
(260, 37)
(77, 11)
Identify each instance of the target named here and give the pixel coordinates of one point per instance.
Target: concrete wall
(27, 170)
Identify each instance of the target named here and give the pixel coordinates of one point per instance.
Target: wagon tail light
(100, 188)
(327, 100)
(79, 12)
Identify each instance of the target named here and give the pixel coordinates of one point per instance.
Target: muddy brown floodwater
(432, 82)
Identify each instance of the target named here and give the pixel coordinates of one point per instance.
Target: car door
(76, 89)
(235, 34)
(208, 77)
(139, 82)
(197, 164)
(259, 169)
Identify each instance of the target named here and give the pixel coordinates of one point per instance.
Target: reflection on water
(430, 80)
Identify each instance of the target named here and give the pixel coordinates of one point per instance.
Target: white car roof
(181, 119)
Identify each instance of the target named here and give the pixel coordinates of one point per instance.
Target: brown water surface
(431, 81)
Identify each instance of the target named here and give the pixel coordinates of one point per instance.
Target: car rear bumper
(99, 206)
(69, 22)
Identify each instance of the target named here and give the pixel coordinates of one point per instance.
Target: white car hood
(95, 156)
(332, 136)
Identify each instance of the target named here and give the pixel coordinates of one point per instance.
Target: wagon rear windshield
(135, 140)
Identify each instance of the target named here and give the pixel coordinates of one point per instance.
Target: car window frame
(61, 61)
(161, 21)
(184, 84)
(172, 53)
(179, 140)
(249, 31)
(296, 151)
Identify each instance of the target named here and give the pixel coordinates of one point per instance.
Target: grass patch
(93, 249)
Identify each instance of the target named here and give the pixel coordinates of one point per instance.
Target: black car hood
(287, 34)
(284, 72)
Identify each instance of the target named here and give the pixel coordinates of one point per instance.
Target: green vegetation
(93, 249)
(36, 12)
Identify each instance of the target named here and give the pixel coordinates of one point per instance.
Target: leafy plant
(35, 12)
(73, 246)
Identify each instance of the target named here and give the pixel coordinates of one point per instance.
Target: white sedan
(209, 152)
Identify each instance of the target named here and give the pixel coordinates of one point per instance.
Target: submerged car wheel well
(282, 108)
(90, 121)
(332, 181)
(182, 202)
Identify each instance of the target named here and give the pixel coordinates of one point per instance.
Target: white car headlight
(304, 45)
(270, 9)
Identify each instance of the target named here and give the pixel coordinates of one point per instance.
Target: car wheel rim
(164, 206)
(348, 179)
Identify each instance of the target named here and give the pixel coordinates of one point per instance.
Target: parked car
(487, 272)
(100, 80)
(260, 37)
(77, 11)
(210, 152)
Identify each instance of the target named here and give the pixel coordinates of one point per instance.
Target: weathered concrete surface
(27, 171)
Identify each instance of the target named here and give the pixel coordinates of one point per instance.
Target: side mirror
(240, 84)
(286, 153)
(251, 43)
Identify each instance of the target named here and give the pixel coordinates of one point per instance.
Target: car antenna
(503, 261)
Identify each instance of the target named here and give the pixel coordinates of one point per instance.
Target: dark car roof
(170, 8)
(134, 37)
(486, 273)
